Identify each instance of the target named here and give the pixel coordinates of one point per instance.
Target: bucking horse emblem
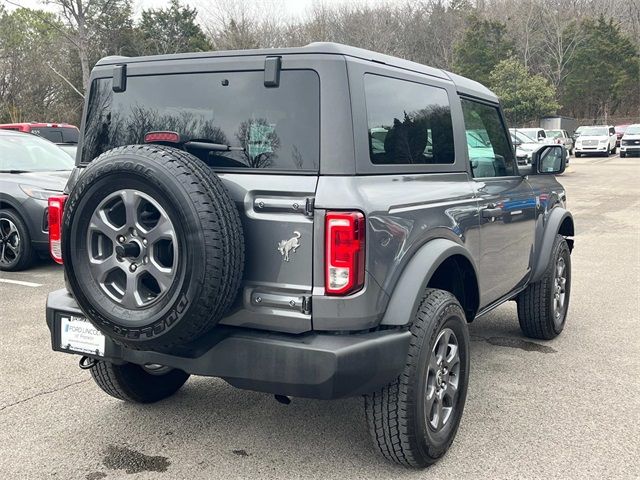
(285, 247)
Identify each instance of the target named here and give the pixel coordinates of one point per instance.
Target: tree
(172, 30)
(84, 20)
(483, 45)
(524, 97)
(31, 86)
(603, 73)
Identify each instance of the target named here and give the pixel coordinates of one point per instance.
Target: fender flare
(409, 289)
(13, 204)
(556, 219)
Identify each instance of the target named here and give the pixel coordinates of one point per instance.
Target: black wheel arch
(442, 264)
(559, 222)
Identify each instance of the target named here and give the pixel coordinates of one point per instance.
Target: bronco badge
(285, 247)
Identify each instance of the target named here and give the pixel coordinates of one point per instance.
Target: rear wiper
(14, 171)
(216, 147)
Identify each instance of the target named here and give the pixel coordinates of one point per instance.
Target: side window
(489, 151)
(408, 123)
(541, 133)
(612, 131)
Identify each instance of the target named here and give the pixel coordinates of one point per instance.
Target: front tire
(16, 252)
(414, 419)
(623, 154)
(543, 306)
(136, 384)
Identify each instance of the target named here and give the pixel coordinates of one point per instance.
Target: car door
(506, 201)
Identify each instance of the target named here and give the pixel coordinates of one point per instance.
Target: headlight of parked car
(37, 192)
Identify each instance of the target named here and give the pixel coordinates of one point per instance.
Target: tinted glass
(277, 128)
(31, 154)
(493, 156)
(59, 135)
(408, 123)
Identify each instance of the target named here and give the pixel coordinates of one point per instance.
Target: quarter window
(408, 123)
(490, 153)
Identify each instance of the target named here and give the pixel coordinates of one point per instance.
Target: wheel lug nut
(121, 239)
(133, 267)
(144, 242)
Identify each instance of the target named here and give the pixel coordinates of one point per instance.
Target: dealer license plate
(79, 335)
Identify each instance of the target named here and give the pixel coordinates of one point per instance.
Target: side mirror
(549, 160)
(540, 139)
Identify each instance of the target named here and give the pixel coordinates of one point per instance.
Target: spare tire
(152, 246)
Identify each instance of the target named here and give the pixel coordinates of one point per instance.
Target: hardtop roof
(463, 85)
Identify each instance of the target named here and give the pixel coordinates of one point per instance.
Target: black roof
(464, 85)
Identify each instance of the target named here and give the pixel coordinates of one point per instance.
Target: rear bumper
(310, 365)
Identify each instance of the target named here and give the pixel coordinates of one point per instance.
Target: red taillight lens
(56, 207)
(170, 137)
(344, 252)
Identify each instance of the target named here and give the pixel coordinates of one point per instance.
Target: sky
(290, 8)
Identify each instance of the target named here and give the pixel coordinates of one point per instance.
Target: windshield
(633, 130)
(29, 153)
(554, 133)
(522, 138)
(595, 131)
(69, 148)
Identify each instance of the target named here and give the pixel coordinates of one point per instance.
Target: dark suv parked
(304, 222)
(31, 170)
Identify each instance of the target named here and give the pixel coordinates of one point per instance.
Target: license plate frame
(76, 334)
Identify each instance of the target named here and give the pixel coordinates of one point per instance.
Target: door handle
(491, 212)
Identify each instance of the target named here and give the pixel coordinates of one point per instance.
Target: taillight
(56, 207)
(169, 137)
(344, 252)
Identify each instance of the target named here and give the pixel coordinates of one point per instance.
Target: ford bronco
(310, 222)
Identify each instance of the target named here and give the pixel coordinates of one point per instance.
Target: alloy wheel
(132, 248)
(443, 378)
(559, 291)
(9, 242)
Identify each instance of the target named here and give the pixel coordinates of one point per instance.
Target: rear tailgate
(271, 172)
(276, 212)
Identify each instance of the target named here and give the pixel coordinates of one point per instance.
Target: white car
(537, 134)
(599, 139)
(630, 142)
(525, 146)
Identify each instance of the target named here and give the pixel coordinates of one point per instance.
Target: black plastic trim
(313, 365)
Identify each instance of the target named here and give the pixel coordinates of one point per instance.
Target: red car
(55, 132)
(620, 132)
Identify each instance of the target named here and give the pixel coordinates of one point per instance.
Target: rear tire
(16, 252)
(133, 383)
(615, 149)
(543, 306)
(405, 416)
(623, 154)
(577, 154)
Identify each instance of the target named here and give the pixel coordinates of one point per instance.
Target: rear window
(276, 128)
(408, 122)
(57, 134)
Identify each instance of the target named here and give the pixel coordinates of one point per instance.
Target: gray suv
(319, 222)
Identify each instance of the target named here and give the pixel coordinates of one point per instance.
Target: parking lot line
(20, 282)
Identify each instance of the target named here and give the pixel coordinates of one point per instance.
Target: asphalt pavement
(567, 408)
